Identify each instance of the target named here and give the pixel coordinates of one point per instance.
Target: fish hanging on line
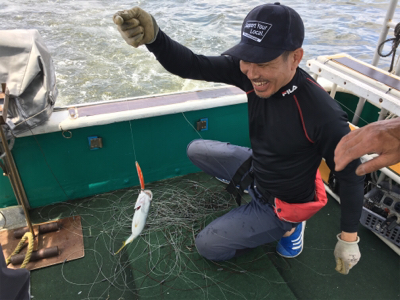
(142, 208)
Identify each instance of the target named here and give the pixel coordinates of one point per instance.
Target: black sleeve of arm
(351, 186)
(181, 61)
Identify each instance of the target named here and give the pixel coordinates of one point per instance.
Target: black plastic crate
(374, 222)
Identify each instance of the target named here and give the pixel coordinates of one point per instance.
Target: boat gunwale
(127, 109)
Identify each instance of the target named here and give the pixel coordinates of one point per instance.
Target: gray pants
(244, 227)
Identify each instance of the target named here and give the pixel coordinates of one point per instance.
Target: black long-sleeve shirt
(290, 132)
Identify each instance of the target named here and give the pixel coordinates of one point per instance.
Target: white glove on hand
(347, 255)
(136, 26)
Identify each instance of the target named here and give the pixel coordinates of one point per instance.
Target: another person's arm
(382, 138)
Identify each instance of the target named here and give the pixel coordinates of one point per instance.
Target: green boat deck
(164, 264)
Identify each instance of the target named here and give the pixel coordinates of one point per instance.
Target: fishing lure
(142, 207)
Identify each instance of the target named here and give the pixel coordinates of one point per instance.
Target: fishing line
(205, 144)
(48, 166)
(359, 116)
(176, 269)
(198, 133)
(133, 143)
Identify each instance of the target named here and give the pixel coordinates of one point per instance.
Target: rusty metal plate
(69, 240)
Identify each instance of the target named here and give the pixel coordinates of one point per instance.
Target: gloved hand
(347, 255)
(136, 26)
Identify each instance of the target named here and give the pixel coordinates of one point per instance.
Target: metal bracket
(73, 113)
(202, 124)
(95, 142)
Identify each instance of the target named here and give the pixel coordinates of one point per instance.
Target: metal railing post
(387, 23)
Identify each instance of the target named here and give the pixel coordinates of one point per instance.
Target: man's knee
(193, 148)
(208, 249)
(204, 248)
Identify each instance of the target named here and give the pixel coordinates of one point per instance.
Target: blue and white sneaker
(291, 246)
(227, 182)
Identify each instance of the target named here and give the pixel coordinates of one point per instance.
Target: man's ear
(297, 57)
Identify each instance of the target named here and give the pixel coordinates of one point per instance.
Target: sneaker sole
(290, 256)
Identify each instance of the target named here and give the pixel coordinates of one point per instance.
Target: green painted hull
(54, 168)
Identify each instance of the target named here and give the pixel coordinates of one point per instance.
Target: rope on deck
(28, 235)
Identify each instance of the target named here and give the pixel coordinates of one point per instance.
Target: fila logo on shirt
(289, 91)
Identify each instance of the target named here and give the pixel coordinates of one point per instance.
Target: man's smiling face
(268, 78)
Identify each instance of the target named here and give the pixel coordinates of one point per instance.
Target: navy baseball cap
(268, 31)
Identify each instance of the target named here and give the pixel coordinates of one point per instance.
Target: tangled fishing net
(163, 262)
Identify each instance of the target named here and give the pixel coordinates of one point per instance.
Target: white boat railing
(379, 94)
(371, 90)
(387, 24)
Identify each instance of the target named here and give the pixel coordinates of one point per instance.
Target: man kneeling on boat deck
(293, 124)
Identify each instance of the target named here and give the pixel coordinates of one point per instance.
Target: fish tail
(123, 245)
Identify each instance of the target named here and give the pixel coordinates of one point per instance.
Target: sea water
(93, 63)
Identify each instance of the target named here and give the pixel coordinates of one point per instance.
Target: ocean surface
(93, 63)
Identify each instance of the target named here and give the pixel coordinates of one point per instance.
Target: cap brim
(253, 54)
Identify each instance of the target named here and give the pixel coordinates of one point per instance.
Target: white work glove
(136, 26)
(347, 255)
